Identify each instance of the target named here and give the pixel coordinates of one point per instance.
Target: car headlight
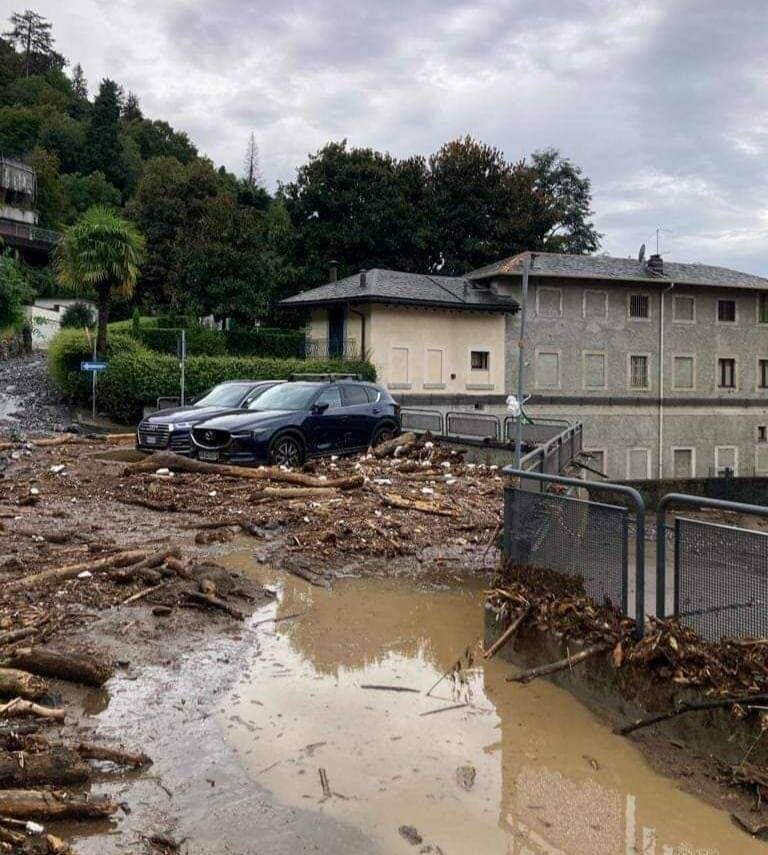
(260, 433)
(181, 426)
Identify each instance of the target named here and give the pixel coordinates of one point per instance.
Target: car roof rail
(323, 378)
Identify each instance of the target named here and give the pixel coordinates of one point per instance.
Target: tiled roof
(628, 269)
(392, 286)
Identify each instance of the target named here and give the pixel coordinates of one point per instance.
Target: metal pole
(93, 386)
(183, 359)
(521, 367)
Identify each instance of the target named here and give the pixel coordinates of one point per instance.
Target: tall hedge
(137, 376)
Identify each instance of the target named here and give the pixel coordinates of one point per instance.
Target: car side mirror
(319, 409)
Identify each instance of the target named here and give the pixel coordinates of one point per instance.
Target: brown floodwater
(516, 769)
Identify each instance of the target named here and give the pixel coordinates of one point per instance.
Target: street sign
(93, 366)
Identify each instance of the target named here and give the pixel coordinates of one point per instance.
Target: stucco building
(666, 364)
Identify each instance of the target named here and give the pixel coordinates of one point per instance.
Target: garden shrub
(77, 315)
(137, 376)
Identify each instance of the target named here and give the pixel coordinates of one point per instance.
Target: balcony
(27, 236)
(322, 348)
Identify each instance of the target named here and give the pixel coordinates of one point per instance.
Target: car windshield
(290, 396)
(225, 395)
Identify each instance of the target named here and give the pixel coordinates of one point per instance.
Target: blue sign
(93, 366)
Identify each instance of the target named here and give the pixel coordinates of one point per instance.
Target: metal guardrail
(421, 420)
(24, 231)
(581, 538)
(553, 456)
(474, 425)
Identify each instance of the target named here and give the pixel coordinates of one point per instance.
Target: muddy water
(519, 769)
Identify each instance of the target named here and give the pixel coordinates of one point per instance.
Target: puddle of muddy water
(520, 769)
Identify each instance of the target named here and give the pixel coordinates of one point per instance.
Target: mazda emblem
(209, 436)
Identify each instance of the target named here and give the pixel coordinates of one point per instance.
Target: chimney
(362, 278)
(333, 271)
(656, 265)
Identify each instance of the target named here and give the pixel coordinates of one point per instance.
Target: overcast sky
(663, 104)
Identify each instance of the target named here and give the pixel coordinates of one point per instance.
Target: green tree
(15, 291)
(568, 197)
(65, 137)
(131, 109)
(359, 206)
(34, 91)
(31, 34)
(51, 201)
(102, 138)
(158, 139)
(77, 316)
(170, 199)
(101, 253)
(20, 128)
(82, 192)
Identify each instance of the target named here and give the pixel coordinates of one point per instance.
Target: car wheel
(383, 433)
(286, 450)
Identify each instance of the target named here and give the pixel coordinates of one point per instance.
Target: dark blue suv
(296, 420)
(171, 428)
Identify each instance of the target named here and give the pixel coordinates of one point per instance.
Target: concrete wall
(622, 422)
(429, 350)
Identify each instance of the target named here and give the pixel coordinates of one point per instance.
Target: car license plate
(152, 440)
(210, 456)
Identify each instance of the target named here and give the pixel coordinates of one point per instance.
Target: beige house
(433, 335)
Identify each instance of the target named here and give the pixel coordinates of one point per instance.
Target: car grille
(181, 442)
(153, 435)
(209, 438)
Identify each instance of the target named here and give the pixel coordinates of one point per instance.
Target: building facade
(666, 365)
(18, 217)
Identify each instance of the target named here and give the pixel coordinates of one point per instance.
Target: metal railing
(412, 419)
(578, 537)
(323, 348)
(719, 571)
(553, 456)
(473, 425)
(24, 231)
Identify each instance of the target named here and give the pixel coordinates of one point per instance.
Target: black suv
(170, 429)
(294, 421)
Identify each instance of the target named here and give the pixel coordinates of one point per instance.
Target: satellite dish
(641, 254)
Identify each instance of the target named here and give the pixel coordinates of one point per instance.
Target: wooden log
(392, 500)
(21, 684)
(69, 571)
(128, 574)
(19, 707)
(384, 449)
(75, 666)
(561, 664)
(211, 600)
(42, 804)
(295, 492)
(60, 765)
(507, 634)
(113, 755)
(177, 463)
(178, 567)
(692, 706)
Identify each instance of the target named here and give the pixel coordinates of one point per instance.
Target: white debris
(163, 471)
(37, 538)
(73, 500)
(213, 493)
(86, 574)
(385, 482)
(378, 514)
(33, 491)
(33, 827)
(427, 491)
(493, 468)
(59, 467)
(449, 482)
(334, 457)
(322, 477)
(445, 464)
(399, 450)
(306, 519)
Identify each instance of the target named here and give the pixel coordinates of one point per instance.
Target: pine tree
(31, 34)
(253, 176)
(102, 142)
(79, 83)
(131, 108)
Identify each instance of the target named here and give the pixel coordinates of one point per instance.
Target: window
(594, 370)
(433, 367)
(638, 464)
(330, 396)
(549, 302)
(762, 433)
(762, 373)
(683, 372)
(639, 306)
(595, 305)
(726, 311)
(726, 460)
(726, 373)
(683, 463)
(479, 360)
(684, 310)
(373, 394)
(638, 372)
(353, 396)
(761, 460)
(762, 308)
(399, 366)
(548, 369)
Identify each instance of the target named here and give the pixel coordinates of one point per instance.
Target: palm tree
(101, 252)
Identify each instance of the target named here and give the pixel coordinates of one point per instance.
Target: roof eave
(513, 306)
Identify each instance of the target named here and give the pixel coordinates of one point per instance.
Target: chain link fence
(572, 536)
